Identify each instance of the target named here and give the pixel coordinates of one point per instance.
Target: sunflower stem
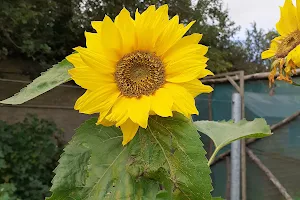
(211, 159)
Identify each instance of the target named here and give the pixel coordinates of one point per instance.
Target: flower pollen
(139, 73)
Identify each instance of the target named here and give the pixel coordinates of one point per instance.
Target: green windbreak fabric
(280, 152)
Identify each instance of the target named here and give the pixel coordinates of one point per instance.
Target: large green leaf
(223, 133)
(48, 80)
(170, 151)
(93, 167)
(96, 166)
(217, 198)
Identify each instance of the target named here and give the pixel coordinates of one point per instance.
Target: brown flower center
(289, 43)
(139, 73)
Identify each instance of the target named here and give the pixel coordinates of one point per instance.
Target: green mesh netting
(280, 152)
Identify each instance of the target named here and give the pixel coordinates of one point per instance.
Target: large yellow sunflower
(285, 49)
(134, 68)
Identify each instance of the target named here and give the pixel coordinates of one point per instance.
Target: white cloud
(264, 12)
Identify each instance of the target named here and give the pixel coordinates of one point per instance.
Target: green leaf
(162, 195)
(93, 167)
(217, 198)
(48, 80)
(223, 133)
(73, 168)
(171, 152)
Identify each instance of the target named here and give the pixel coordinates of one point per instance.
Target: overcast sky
(264, 12)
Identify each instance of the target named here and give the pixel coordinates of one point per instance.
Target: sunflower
(285, 48)
(135, 68)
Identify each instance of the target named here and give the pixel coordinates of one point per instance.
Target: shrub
(29, 151)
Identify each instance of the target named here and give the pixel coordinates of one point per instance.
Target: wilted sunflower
(134, 68)
(285, 49)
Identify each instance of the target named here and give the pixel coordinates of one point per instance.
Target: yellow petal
(86, 76)
(289, 57)
(183, 101)
(298, 12)
(93, 42)
(110, 35)
(129, 130)
(81, 99)
(204, 73)
(98, 62)
(99, 100)
(105, 122)
(267, 54)
(288, 19)
(138, 110)
(76, 60)
(162, 102)
(294, 55)
(186, 64)
(90, 79)
(102, 117)
(277, 41)
(193, 50)
(290, 13)
(281, 29)
(150, 25)
(195, 87)
(186, 71)
(192, 72)
(125, 24)
(159, 21)
(97, 25)
(287, 69)
(273, 48)
(171, 35)
(137, 15)
(144, 29)
(119, 111)
(182, 43)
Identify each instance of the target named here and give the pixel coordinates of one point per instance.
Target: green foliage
(246, 55)
(223, 133)
(28, 152)
(7, 192)
(38, 30)
(95, 165)
(218, 29)
(46, 31)
(171, 152)
(55, 76)
(217, 198)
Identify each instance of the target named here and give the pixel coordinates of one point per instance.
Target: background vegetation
(45, 31)
(28, 154)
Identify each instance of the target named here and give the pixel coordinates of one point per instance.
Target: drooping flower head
(134, 68)
(285, 49)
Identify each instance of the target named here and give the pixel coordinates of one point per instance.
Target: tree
(211, 19)
(38, 30)
(218, 29)
(246, 55)
(46, 31)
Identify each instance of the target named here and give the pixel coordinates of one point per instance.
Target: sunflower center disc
(139, 73)
(289, 43)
